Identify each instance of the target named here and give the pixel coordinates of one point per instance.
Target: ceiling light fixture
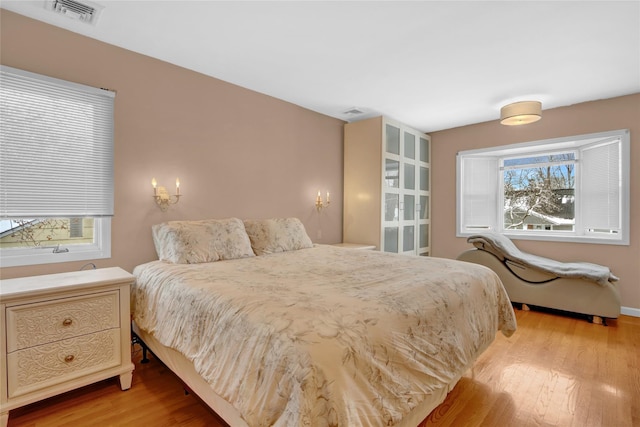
(521, 113)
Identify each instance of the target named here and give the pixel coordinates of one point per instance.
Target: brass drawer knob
(69, 358)
(67, 322)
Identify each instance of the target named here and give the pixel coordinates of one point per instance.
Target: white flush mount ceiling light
(521, 113)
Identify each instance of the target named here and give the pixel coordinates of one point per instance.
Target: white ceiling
(430, 64)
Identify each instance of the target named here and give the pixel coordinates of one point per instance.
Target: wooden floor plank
(554, 371)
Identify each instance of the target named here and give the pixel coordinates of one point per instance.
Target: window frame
(494, 183)
(501, 195)
(32, 255)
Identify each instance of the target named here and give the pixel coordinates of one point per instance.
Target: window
(538, 192)
(56, 169)
(566, 189)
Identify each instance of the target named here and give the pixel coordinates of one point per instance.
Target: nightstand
(356, 246)
(61, 332)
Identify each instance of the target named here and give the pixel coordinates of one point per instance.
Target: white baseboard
(630, 311)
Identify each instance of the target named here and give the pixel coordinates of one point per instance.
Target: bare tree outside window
(539, 192)
(45, 232)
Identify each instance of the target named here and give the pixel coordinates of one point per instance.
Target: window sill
(620, 241)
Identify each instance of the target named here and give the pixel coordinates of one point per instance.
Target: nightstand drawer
(31, 325)
(38, 367)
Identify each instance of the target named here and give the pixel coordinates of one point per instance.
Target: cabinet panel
(409, 146)
(424, 178)
(424, 207)
(424, 150)
(391, 239)
(392, 139)
(392, 173)
(391, 206)
(409, 207)
(424, 235)
(409, 176)
(408, 238)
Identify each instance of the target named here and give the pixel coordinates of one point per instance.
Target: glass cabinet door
(406, 191)
(424, 178)
(392, 201)
(391, 239)
(392, 173)
(424, 150)
(392, 138)
(409, 207)
(424, 207)
(391, 207)
(391, 220)
(409, 145)
(409, 176)
(409, 182)
(408, 238)
(424, 194)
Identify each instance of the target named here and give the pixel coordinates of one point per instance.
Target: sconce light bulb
(162, 197)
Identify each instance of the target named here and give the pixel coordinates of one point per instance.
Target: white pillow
(192, 242)
(270, 236)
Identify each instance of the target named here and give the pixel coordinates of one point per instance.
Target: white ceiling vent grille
(353, 112)
(80, 11)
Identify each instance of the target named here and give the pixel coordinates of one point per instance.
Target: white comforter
(324, 336)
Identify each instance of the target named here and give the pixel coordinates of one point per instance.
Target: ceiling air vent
(352, 112)
(80, 11)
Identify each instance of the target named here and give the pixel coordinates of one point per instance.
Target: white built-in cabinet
(387, 186)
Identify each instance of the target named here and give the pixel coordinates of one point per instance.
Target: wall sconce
(162, 197)
(521, 113)
(319, 204)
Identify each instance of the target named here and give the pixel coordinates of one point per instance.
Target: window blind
(602, 187)
(56, 147)
(479, 191)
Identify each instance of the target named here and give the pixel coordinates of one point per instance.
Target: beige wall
(237, 153)
(590, 117)
(240, 153)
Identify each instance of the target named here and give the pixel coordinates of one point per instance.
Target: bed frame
(186, 371)
(528, 286)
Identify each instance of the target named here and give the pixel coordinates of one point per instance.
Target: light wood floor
(554, 371)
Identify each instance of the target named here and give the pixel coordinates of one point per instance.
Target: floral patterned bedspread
(324, 336)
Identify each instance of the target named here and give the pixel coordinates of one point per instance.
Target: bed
(272, 330)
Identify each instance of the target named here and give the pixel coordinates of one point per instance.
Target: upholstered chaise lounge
(577, 287)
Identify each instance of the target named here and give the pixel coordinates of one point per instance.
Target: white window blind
(479, 184)
(602, 187)
(56, 147)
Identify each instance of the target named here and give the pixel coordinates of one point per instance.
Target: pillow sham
(193, 242)
(270, 236)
